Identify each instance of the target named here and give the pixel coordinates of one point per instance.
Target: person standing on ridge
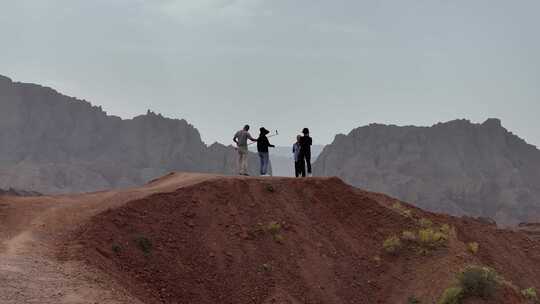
(240, 138)
(262, 147)
(296, 154)
(305, 152)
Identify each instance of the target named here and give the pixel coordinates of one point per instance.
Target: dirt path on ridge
(29, 232)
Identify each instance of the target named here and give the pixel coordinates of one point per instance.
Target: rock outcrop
(457, 167)
(53, 143)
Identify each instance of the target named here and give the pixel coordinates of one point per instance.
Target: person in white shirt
(240, 138)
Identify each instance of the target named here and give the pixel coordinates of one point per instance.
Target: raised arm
(251, 138)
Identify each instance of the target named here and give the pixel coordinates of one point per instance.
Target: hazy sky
(285, 64)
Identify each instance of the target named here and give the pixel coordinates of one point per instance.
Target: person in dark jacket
(296, 155)
(305, 152)
(262, 147)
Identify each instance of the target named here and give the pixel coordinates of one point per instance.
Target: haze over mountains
(54, 143)
(456, 167)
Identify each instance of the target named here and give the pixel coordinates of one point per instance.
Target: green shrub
(473, 247)
(413, 300)
(478, 281)
(425, 223)
(530, 294)
(270, 188)
(392, 244)
(452, 295)
(397, 206)
(446, 229)
(431, 238)
(274, 228)
(408, 236)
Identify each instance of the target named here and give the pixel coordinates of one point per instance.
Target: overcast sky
(331, 65)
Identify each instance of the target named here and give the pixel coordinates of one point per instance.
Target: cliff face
(53, 143)
(456, 167)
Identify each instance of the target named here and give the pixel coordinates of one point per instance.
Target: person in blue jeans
(262, 147)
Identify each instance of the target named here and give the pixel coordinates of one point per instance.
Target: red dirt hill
(282, 240)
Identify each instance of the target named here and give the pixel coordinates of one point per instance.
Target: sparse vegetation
(446, 229)
(431, 238)
(413, 300)
(408, 235)
(530, 294)
(144, 244)
(425, 223)
(473, 247)
(478, 281)
(402, 210)
(279, 238)
(423, 241)
(270, 188)
(274, 228)
(474, 281)
(392, 244)
(452, 295)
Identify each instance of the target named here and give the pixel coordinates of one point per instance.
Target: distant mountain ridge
(53, 143)
(457, 167)
(17, 192)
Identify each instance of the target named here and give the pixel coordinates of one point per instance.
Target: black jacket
(305, 145)
(263, 144)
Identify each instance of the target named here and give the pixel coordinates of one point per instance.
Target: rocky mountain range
(53, 143)
(457, 167)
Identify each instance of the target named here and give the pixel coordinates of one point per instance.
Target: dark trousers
(305, 160)
(297, 168)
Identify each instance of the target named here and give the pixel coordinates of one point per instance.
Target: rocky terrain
(53, 143)
(456, 167)
(194, 238)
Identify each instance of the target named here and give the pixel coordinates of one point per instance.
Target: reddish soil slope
(281, 240)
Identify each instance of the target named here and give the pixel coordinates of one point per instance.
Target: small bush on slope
(402, 210)
(452, 295)
(530, 294)
(478, 281)
(274, 228)
(392, 244)
(473, 247)
(474, 281)
(425, 223)
(408, 236)
(431, 238)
